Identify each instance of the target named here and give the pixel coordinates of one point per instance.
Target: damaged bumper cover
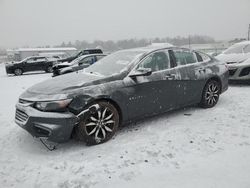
(54, 126)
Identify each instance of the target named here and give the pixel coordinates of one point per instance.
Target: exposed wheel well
(18, 68)
(217, 79)
(114, 104)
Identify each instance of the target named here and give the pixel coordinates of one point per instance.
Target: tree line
(110, 45)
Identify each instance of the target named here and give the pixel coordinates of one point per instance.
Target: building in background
(22, 53)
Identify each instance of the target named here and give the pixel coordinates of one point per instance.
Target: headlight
(53, 105)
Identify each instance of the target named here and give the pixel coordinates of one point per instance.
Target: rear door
(41, 63)
(191, 73)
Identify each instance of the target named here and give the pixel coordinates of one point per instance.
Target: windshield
(114, 63)
(76, 54)
(237, 49)
(24, 59)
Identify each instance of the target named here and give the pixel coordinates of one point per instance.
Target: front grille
(21, 116)
(232, 72)
(245, 72)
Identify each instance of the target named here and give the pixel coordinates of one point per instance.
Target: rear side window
(184, 57)
(205, 58)
(93, 51)
(98, 51)
(199, 58)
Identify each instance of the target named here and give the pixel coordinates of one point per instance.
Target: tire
(49, 69)
(18, 72)
(100, 126)
(210, 94)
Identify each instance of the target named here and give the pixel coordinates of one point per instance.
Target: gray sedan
(125, 86)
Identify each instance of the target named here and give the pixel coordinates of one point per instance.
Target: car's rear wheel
(18, 72)
(49, 69)
(211, 94)
(100, 126)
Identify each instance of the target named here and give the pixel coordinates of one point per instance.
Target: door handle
(170, 77)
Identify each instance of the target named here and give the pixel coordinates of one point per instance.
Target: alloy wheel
(100, 124)
(212, 93)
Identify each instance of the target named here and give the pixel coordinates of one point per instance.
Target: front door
(30, 64)
(149, 95)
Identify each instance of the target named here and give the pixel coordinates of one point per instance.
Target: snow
(187, 148)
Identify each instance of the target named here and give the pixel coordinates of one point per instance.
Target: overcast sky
(41, 22)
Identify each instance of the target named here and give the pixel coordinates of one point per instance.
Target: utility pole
(189, 41)
(248, 36)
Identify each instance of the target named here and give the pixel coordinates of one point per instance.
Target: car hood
(245, 63)
(12, 63)
(64, 63)
(233, 58)
(62, 86)
(66, 69)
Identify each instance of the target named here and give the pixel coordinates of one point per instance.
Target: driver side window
(156, 61)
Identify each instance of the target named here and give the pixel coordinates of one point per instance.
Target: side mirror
(141, 72)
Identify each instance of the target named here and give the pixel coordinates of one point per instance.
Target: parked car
(29, 64)
(125, 86)
(235, 57)
(81, 53)
(77, 64)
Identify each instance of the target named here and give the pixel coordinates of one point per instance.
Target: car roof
(150, 49)
(243, 43)
(92, 49)
(88, 55)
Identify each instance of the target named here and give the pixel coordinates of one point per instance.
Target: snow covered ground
(187, 148)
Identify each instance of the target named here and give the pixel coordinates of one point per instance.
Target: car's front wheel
(100, 126)
(18, 72)
(211, 94)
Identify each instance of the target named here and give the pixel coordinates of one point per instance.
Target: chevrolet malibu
(125, 86)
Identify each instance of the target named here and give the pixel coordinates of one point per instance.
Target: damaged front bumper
(53, 126)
